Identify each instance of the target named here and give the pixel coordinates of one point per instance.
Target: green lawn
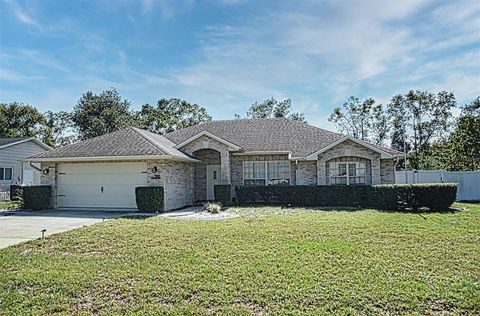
(303, 262)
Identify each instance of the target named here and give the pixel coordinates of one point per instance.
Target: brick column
(225, 166)
(376, 178)
(321, 171)
(51, 180)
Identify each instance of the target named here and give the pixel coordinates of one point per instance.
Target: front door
(213, 178)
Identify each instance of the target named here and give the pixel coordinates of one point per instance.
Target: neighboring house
(103, 171)
(14, 171)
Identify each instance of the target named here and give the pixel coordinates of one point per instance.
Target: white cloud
(21, 14)
(316, 52)
(331, 50)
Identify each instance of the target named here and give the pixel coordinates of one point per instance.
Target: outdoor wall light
(154, 169)
(46, 171)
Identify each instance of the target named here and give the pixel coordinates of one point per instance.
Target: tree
(421, 117)
(95, 115)
(364, 120)
(170, 115)
(19, 120)
(473, 108)
(461, 150)
(57, 129)
(271, 108)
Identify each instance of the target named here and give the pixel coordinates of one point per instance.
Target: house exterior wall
(387, 171)
(205, 142)
(185, 182)
(176, 178)
(50, 179)
(207, 157)
(349, 149)
(307, 173)
(236, 168)
(9, 158)
(368, 167)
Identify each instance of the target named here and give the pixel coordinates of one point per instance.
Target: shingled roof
(272, 134)
(129, 142)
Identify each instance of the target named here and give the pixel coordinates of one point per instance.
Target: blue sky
(225, 55)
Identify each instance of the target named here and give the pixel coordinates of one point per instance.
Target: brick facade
(50, 179)
(307, 173)
(205, 142)
(236, 168)
(387, 171)
(185, 182)
(176, 178)
(207, 157)
(349, 149)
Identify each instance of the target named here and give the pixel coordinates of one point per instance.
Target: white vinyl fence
(468, 181)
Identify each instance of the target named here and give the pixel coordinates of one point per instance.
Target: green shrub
(303, 195)
(222, 193)
(15, 192)
(36, 197)
(436, 197)
(149, 199)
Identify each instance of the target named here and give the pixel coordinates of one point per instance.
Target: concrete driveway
(17, 227)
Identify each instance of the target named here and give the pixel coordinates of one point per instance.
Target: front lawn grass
(300, 262)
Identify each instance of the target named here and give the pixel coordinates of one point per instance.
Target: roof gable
(208, 134)
(382, 152)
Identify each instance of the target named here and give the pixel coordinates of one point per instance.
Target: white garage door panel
(80, 184)
(76, 179)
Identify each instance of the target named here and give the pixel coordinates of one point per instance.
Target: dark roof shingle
(272, 134)
(126, 142)
(277, 134)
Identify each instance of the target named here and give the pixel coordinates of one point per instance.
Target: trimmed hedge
(15, 192)
(36, 197)
(436, 197)
(222, 193)
(149, 199)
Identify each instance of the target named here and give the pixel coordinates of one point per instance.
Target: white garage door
(105, 185)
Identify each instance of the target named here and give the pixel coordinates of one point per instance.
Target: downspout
(35, 167)
(296, 171)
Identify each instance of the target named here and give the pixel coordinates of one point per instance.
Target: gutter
(110, 158)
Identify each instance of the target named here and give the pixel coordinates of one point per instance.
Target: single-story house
(102, 172)
(12, 169)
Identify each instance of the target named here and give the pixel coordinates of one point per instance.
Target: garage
(100, 184)
(103, 172)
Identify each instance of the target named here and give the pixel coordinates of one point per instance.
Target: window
(6, 174)
(347, 172)
(266, 172)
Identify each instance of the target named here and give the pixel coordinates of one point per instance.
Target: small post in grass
(43, 231)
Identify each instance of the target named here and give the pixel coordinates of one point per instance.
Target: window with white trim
(266, 172)
(6, 174)
(347, 172)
